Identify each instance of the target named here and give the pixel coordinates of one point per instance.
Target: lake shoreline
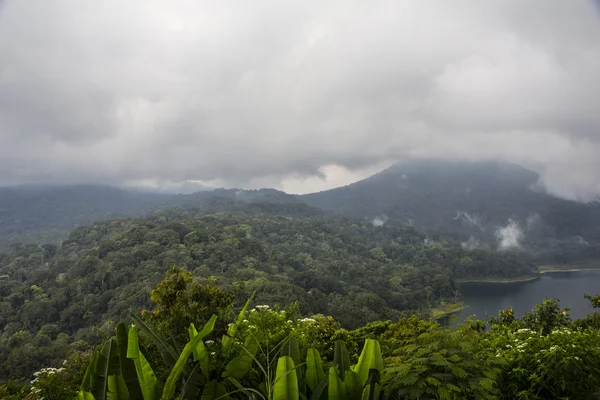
(445, 310)
(587, 266)
(543, 269)
(566, 286)
(517, 279)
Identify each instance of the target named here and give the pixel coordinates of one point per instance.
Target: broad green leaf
(99, 379)
(336, 389)
(83, 395)
(200, 352)
(239, 366)
(353, 388)
(370, 358)
(290, 348)
(86, 382)
(371, 392)
(372, 388)
(286, 380)
(314, 369)
(146, 378)
(114, 364)
(169, 389)
(214, 390)
(319, 393)
(117, 389)
(232, 330)
(250, 392)
(341, 358)
(167, 352)
(127, 365)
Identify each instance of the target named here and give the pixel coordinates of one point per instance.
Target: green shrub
(564, 364)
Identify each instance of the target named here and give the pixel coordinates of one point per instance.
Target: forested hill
(484, 200)
(53, 296)
(50, 212)
(492, 205)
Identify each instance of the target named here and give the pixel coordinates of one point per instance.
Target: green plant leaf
(353, 388)
(117, 389)
(200, 352)
(319, 393)
(127, 365)
(169, 389)
(290, 348)
(372, 389)
(336, 389)
(86, 382)
(232, 330)
(370, 358)
(99, 378)
(314, 369)
(83, 395)
(286, 380)
(341, 358)
(214, 390)
(167, 352)
(145, 375)
(239, 366)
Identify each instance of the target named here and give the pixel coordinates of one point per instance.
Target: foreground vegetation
(192, 345)
(59, 299)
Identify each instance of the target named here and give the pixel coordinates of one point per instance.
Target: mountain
(491, 203)
(51, 211)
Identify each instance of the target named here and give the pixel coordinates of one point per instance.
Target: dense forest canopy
(346, 268)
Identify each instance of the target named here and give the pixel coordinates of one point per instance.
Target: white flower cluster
(564, 331)
(43, 371)
(307, 320)
(264, 307)
(209, 342)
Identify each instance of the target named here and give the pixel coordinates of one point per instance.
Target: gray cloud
(296, 93)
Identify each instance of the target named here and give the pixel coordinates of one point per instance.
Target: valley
(409, 241)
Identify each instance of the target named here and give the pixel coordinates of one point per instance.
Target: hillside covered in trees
(484, 203)
(53, 296)
(265, 352)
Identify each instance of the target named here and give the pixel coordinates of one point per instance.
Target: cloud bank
(296, 95)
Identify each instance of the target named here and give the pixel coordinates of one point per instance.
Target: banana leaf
(169, 389)
(145, 375)
(232, 330)
(286, 380)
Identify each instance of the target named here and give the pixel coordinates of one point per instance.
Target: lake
(487, 298)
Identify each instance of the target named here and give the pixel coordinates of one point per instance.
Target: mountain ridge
(485, 202)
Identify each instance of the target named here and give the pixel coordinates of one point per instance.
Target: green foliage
(344, 268)
(546, 316)
(180, 300)
(443, 363)
(562, 364)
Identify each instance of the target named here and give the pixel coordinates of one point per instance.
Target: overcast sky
(300, 96)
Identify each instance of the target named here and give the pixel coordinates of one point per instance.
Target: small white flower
(209, 342)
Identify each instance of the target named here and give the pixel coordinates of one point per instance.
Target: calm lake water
(486, 299)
